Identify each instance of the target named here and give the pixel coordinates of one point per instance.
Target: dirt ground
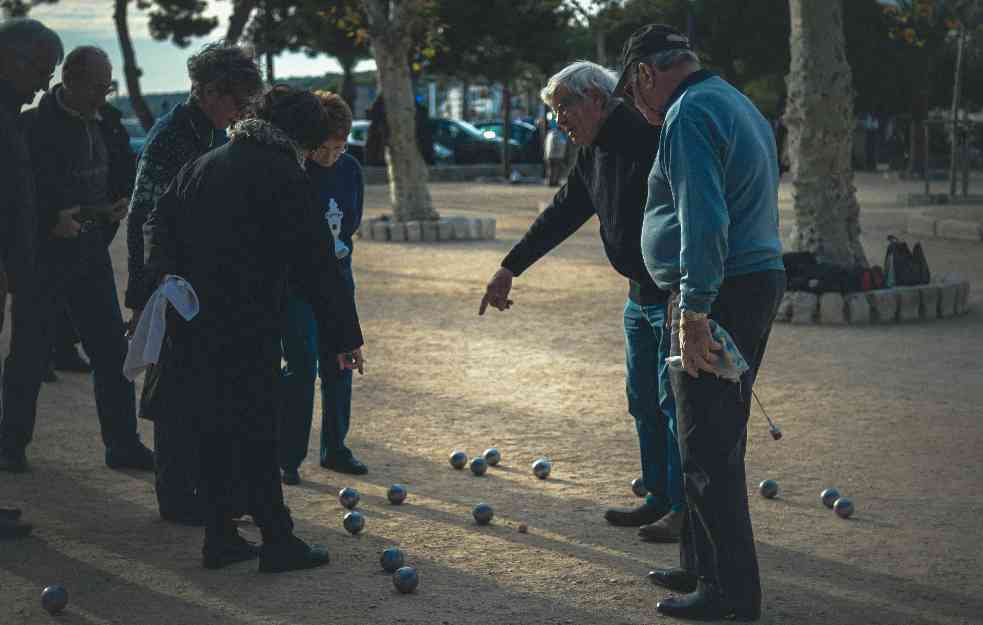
(889, 415)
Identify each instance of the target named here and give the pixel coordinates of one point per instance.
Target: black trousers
(66, 337)
(76, 273)
(177, 464)
(711, 416)
(240, 475)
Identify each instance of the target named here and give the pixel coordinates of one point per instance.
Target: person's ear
(645, 74)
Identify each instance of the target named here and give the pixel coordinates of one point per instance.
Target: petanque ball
(54, 599)
(541, 468)
(638, 487)
(843, 507)
(492, 456)
(405, 579)
(348, 497)
(392, 559)
(479, 466)
(483, 514)
(458, 459)
(768, 489)
(354, 522)
(396, 494)
(829, 497)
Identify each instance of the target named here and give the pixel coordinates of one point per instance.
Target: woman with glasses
(337, 177)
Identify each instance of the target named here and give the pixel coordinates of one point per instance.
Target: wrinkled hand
(696, 345)
(352, 360)
(131, 325)
(119, 210)
(67, 227)
(497, 292)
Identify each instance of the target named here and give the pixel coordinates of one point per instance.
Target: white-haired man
(609, 179)
(710, 235)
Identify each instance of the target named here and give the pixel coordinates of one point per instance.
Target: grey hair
(231, 68)
(580, 77)
(668, 59)
(20, 37)
(80, 56)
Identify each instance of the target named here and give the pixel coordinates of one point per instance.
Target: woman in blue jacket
(337, 176)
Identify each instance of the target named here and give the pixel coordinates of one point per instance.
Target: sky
(90, 22)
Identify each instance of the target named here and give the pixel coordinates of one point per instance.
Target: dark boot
(135, 457)
(706, 603)
(291, 554)
(677, 580)
(635, 517)
(665, 530)
(229, 548)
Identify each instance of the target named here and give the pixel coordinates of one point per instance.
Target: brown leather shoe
(665, 530)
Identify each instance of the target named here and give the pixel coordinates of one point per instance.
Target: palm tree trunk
(506, 131)
(131, 71)
(820, 136)
(348, 91)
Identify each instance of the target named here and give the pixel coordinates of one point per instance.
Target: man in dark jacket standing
(616, 151)
(29, 53)
(223, 81)
(83, 171)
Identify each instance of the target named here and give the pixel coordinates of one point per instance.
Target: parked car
(357, 138)
(524, 139)
(466, 143)
(138, 136)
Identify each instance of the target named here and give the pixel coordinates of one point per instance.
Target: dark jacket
(18, 209)
(49, 128)
(234, 223)
(178, 137)
(609, 179)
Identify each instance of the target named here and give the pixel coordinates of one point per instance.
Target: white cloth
(148, 337)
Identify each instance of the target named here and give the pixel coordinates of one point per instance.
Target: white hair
(668, 59)
(579, 78)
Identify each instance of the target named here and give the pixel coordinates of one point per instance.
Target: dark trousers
(240, 475)
(178, 467)
(66, 337)
(79, 274)
(712, 414)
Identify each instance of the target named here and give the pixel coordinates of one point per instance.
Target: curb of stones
(925, 225)
(443, 229)
(927, 302)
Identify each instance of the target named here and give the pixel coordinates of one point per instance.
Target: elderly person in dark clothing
(710, 235)
(616, 150)
(233, 224)
(29, 53)
(224, 79)
(83, 170)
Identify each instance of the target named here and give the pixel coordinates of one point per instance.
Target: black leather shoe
(9, 514)
(677, 580)
(291, 477)
(225, 551)
(351, 466)
(137, 457)
(13, 461)
(705, 604)
(71, 360)
(292, 554)
(14, 529)
(635, 517)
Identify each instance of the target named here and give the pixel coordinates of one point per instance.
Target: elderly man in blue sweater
(710, 236)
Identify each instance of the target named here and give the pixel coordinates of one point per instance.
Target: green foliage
(180, 20)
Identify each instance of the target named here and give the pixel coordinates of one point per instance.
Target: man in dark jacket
(83, 171)
(616, 151)
(233, 224)
(223, 81)
(29, 53)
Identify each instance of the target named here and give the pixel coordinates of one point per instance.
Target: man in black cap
(710, 236)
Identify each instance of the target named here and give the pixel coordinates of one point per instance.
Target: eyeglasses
(563, 105)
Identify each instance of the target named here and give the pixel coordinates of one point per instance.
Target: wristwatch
(689, 315)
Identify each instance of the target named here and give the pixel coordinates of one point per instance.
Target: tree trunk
(820, 136)
(348, 90)
(506, 131)
(241, 10)
(954, 132)
(600, 42)
(270, 75)
(130, 69)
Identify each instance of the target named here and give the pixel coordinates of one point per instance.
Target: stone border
(925, 225)
(444, 229)
(926, 302)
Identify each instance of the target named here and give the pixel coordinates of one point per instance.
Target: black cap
(645, 42)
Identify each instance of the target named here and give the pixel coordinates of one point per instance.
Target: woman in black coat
(234, 223)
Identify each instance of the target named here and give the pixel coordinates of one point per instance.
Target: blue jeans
(299, 340)
(651, 402)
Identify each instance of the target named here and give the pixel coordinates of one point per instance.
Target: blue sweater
(712, 208)
(341, 182)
